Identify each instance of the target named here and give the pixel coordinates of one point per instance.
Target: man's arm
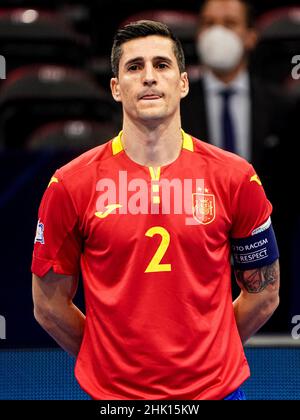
(258, 299)
(55, 312)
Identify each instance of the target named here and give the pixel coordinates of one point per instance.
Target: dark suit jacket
(268, 108)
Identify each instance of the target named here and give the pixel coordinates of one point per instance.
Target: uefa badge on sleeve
(204, 208)
(39, 236)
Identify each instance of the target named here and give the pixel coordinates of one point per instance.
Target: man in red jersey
(151, 219)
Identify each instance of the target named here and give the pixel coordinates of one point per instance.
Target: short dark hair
(140, 29)
(250, 14)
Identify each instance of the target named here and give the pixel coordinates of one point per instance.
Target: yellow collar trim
(117, 146)
(187, 143)
(155, 175)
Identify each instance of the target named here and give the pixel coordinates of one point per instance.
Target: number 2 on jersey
(155, 265)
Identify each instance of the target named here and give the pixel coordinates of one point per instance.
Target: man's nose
(149, 76)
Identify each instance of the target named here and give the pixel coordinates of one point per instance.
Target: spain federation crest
(204, 208)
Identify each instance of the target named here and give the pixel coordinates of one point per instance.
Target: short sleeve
(250, 206)
(57, 243)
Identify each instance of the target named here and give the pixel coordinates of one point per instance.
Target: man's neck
(152, 146)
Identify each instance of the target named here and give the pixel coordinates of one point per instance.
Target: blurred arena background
(55, 103)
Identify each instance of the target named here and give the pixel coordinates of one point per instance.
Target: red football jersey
(154, 251)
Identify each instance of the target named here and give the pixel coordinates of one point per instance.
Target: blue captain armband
(258, 250)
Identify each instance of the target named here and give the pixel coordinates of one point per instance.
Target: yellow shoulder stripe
(53, 179)
(255, 178)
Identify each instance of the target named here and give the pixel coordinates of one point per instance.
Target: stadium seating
(32, 36)
(279, 41)
(71, 135)
(182, 23)
(35, 95)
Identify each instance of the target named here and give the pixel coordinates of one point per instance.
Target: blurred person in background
(230, 107)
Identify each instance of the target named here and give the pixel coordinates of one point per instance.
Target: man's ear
(184, 81)
(115, 89)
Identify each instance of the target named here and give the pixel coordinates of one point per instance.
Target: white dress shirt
(240, 110)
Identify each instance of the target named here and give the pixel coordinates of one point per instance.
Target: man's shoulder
(85, 162)
(219, 160)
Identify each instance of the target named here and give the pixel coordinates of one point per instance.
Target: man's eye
(162, 65)
(133, 67)
(230, 24)
(207, 24)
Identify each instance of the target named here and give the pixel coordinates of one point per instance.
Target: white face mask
(220, 48)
